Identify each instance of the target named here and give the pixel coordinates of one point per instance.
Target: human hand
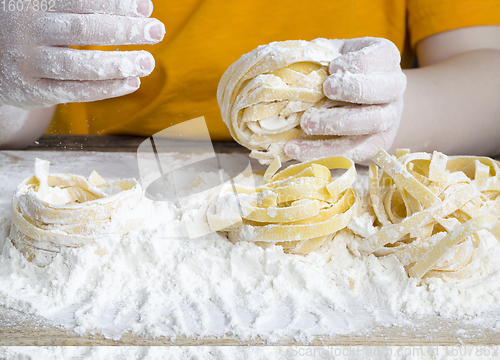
(38, 69)
(367, 74)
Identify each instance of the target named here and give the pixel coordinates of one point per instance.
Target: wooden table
(111, 143)
(20, 329)
(17, 329)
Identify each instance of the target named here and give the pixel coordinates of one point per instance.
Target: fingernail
(335, 68)
(156, 31)
(144, 7)
(329, 89)
(133, 82)
(145, 63)
(291, 149)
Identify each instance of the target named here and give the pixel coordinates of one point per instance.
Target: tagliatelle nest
(299, 208)
(54, 211)
(263, 95)
(430, 208)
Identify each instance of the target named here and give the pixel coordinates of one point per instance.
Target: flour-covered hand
(368, 75)
(39, 69)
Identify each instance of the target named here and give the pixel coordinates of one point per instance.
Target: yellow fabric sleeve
(429, 17)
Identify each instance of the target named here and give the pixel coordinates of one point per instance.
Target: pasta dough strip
(460, 233)
(342, 217)
(302, 211)
(392, 233)
(401, 176)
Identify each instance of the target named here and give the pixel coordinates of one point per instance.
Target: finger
(142, 8)
(351, 120)
(374, 88)
(365, 55)
(61, 91)
(71, 29)
(358, 148)
(70, 64)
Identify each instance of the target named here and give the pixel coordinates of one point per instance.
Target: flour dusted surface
(152, 284)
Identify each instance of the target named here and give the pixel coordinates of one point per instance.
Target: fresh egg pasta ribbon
(263, 95)
(53, 211)
(299, 208)
(430, 209)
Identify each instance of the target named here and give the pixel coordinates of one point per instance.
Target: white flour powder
(153, 282)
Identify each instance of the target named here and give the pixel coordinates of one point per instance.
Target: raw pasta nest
(54, 211)
(430, 209)
(299, 208)
(263, 95)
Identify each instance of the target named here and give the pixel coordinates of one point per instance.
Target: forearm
(19, 128)
(453, 106)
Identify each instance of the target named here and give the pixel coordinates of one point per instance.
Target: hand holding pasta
(368, 76)
(304, 100)
(38, 69)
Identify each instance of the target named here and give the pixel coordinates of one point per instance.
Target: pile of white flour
(154, 282)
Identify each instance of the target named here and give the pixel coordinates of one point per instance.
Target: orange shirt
(204, 37)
